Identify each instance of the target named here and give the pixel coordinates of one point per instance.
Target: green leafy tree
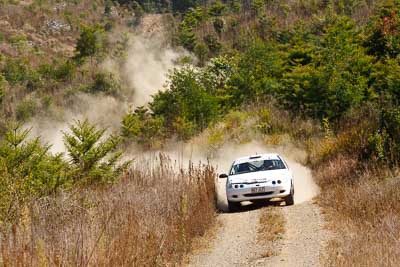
(385, 81)
(27, 170)
(186, 98)
(183, 5)
(217, 8)
(218, 24)
(257, 73)
(336, 78)
(89, 42)
(94, 158)
(143, 127)
(15, 71)
(190, 21)
(383, 39)
(105, 83)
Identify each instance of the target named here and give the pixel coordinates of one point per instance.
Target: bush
(89, 42)
(27, 170)
(143, 128)
(15, 71)
(59, 70)
(93, 157)
(187, 98)
(219, 25)
(26, 109)
(105, 83)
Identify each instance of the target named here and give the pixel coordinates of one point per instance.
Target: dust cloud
(144, 71)
(147, 66)
(305, 187)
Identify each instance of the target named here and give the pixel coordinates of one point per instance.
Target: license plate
(258, 190)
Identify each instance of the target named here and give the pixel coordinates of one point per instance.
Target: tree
(27, 170)
(383, 37)
(93, 157)
(258, 73)
(187, 98)
(89, 42)
(334, 79)
(183, 5)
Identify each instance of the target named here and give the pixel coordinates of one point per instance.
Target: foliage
(93, 157)
(190, 21)
(26, 109)
(105, 83)
(143, 128)
(383, 34)
(187, 98)
(15, 71)
(183, 5)
(89, 42)
(27, 170)
(258, 73)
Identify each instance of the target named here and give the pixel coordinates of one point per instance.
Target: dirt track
(235, 242)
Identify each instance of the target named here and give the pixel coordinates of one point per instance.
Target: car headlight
(229, 183)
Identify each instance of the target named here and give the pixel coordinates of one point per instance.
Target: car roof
(257, 157)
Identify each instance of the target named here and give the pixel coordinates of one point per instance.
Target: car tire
(289, 200)
(234, 206)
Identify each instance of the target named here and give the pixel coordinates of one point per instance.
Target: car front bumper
(249, 192)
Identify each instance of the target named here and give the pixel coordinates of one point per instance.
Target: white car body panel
(273, 183)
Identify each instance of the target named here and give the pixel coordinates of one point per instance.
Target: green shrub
(213, 44)
(94, 158)
(15, 71)
(58, 70)
(217, 9)
(264, 123)
(26, 109)
(184, 129)
(105, 83)
(65, 71)
(89, 42)
(143, 128)
(132, 125)
(27, 170)
(219, 25)
(190, 21)
(187, 98)
(201, 51)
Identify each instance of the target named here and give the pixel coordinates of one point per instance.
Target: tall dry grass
(148, 218)
(362, 206)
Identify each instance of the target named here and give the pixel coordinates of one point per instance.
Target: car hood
(260, 176)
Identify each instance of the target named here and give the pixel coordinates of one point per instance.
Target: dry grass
(362, 206)
(149, 218)
(272, 227)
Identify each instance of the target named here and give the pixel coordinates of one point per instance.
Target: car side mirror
(221, 176)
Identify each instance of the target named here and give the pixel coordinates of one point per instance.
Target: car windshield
(259, 165)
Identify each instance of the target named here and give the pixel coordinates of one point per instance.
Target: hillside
(105, 100)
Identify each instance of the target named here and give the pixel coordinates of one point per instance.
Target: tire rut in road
(235, 243)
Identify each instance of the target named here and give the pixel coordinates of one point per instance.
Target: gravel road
(235, 242)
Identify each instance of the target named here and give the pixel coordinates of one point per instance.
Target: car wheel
(289, 200)
(234, 206)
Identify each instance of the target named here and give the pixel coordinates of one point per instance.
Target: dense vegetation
(324, 73)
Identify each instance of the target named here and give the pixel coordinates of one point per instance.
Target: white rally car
(259, 177)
